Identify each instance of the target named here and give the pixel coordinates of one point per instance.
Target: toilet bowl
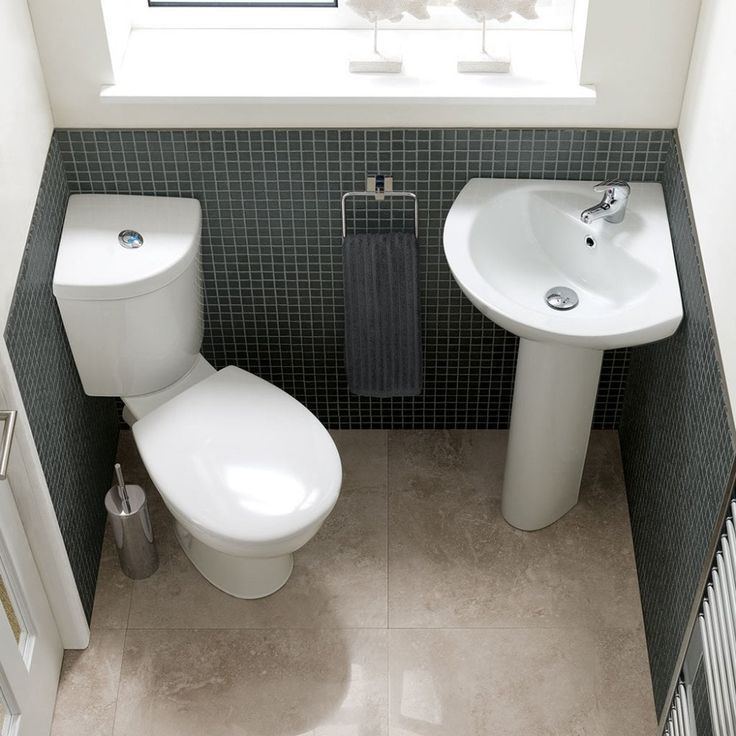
(248, 473)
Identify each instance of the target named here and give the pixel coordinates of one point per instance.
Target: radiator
(712, 648)
(717, 623)
(680, 722)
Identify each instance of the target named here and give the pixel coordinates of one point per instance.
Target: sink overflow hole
(590, 242)
(561, 297)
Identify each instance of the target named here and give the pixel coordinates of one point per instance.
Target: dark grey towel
(383, 347)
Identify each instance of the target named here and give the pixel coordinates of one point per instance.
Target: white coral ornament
(393, 10)
(374, 11)
(500, 10)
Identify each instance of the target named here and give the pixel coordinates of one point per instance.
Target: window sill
(311, 66)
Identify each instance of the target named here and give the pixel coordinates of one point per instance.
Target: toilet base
(241, 577)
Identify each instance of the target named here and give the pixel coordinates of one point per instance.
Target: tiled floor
(416, 611)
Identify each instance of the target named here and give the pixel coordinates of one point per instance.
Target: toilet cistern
(612, 208)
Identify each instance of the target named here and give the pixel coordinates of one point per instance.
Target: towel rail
(410, 195)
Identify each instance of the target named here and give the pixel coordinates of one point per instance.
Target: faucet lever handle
(618, 187)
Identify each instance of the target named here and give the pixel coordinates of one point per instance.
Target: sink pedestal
(551, 414)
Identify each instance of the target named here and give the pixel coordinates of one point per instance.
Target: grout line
(591, 629)
(122, 655)
(388, 531)
(120, 682)
(130, 606)
(388, 582)
(259, 628)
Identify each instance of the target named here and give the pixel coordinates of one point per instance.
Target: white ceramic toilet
(247, 471)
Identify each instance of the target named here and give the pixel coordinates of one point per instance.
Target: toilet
(248, 473)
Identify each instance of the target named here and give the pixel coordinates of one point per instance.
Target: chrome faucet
(613, 205)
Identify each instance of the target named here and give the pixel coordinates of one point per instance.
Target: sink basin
(508, 242)
(519, 248)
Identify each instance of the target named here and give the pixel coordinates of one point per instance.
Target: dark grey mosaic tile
(76, 435)
(272, 247)
(677, 451)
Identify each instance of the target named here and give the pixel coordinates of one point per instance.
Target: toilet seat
(243, 466)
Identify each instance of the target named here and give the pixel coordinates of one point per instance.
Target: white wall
(707, 133)
(25, 132)
(636, 53)
(26, 125)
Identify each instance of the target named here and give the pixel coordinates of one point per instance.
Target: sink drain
(560, 297)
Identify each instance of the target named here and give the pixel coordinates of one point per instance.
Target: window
(265, 56)
(554, 15)
(242, 3)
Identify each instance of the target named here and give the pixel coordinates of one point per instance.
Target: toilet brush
(122, 490)
(127, 510)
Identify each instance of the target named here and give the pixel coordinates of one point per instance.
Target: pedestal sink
(569, 290)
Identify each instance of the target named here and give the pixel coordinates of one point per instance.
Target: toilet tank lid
(93, 264)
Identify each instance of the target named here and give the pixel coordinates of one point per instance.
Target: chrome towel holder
(379, 187)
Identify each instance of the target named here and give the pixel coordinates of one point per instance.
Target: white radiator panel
(679, 722)
(717, 624)
(712, 649)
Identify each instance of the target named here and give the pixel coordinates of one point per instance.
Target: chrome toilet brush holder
(127, 509)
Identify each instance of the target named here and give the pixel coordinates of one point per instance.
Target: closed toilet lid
(240, 459)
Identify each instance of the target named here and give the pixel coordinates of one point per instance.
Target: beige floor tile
(604, 470)
(114, 590)
(467, 460)
(626, 694)
(512, 682)
(88, 688)
(454, 561)
(253, 683)
(339, 578)
(364, 456)
(314, 658)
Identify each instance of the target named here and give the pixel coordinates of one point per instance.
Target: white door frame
(37, 514)
(29, 667)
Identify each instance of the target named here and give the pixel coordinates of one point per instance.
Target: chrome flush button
(130, 239)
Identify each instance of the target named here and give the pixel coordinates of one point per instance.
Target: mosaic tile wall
(274, 305)
(272, 247)
(677, 449)
(76, 435)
